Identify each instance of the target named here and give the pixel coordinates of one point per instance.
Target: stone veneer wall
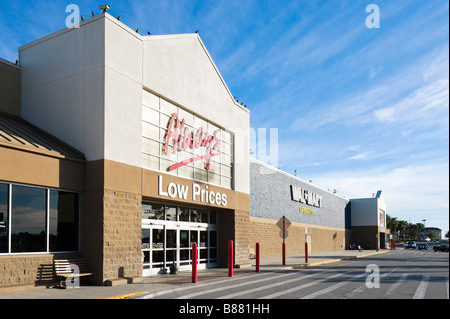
(242, 239)
(122, 235)
(33, 270)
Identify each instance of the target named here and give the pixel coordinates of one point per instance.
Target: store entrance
(168, 243)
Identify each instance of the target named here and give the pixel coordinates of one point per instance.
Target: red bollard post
(306, 252)
(284, 254)
(230, 258)
(194, 263)
(258, 264)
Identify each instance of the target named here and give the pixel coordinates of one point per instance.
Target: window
(156, 117)
(4, 237)
(38, 220)
(152, 211)
(63, 224)
(28, 219)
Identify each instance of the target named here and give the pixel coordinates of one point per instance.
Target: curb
(334, 260)
(127, 296)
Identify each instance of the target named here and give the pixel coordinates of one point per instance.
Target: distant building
(431, 232)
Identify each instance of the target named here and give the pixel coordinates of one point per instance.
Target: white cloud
(417, 191)
(359, 156)
(385, 114)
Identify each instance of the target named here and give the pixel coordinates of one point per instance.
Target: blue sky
(357, 109)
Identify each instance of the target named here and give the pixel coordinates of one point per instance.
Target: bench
(64, 270)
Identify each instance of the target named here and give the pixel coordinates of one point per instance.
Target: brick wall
(269, 236)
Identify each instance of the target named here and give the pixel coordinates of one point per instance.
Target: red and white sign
(184, 138)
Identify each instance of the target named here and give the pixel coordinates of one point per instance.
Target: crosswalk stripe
(447, 288)
(333, 287)
(396, 284)
(359, 289)
(164, 292)
(270, 286)
(284, 292)
(420, 292)
(203, 292)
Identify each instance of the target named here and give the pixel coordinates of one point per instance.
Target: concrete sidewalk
(164, 282)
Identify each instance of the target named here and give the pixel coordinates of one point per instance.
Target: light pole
(424, 220)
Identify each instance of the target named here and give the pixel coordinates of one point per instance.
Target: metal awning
(19, 134)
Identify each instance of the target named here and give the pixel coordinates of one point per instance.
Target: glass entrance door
(168, 241)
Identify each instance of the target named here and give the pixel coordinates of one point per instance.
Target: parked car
(441, 247)
(422, 246)
(410, 244)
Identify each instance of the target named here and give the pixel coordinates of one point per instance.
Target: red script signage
(183, 139)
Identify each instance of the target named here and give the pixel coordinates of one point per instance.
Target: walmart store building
(126, 149)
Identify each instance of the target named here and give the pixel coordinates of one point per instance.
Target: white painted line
(359, 289)
(209, 283)
(447, 287)
(395, 285)
(251, 282)
(420, 292)
(284, 292)
(333, 287)
(271, 285)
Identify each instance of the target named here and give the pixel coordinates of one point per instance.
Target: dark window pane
(171, 239)
(184, 214)
(213, 217)
(152, 211)
(213, 238)
(199, 216)
(203, 239)
(184, 238)
(158, 239)
(171, 213)
(3, 218)
(28, 220)
(63, 221)
(145, 239)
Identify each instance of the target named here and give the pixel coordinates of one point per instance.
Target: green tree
(402, 229)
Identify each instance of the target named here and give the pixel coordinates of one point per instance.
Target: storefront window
(3, 218)
(171, 213)
(183, 214)
(199, 216)
(63, 230)
(156, 118)
(28, 219)
(31, 223)
(153, 211)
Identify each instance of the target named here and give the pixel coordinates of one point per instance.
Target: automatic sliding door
(171, 248)
(185, 249)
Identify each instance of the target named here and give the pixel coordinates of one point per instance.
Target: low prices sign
(183, 138)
